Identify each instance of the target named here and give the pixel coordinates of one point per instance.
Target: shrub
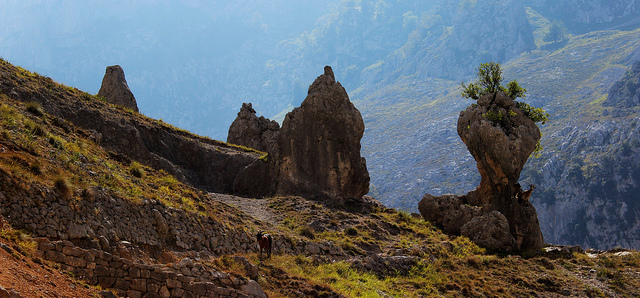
(56, 142)
(489, 81)
(307, 232)
(137, 170)
(351, 231)
(35, 109)
(535, 114)
(62, 186)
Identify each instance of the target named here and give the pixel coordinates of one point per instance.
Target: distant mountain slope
(412, 146)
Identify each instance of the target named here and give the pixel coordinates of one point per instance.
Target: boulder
(115, 88)
(448, 212)
(250, 131)
(490, 231)
(320, 145)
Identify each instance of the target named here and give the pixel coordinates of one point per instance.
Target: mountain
(77, 217)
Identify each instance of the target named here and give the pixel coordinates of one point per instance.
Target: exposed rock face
(317, 154)
(115, 89)
(250, 131)
(625, 93)
(490, 231)
(500, 138)
(588, 11)
(320, 145)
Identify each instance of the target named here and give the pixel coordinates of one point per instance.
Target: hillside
(72, 207)
(402, 63)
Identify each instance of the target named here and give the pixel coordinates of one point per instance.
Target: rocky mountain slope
(69, 206)
(412, 146)
(401, 62)
(594, 173)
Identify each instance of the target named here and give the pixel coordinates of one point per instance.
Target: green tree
(557, 32)
(489, 81)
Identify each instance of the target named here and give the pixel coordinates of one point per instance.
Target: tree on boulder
(501, 135)
(490, 81)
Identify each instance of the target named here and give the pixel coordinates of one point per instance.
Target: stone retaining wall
(45, 213)
(131, 279)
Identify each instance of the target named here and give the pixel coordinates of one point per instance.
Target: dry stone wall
(131, 279)
(46, 213)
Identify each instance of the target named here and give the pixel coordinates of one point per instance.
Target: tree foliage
(489, 81)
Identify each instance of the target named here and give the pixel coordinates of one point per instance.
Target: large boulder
(250, 131)
(490, 231)
(448, 212)
(320, 145)
(115, 89)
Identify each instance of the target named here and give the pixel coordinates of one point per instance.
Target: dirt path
(257, 208)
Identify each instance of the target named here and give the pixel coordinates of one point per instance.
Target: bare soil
(32, 277)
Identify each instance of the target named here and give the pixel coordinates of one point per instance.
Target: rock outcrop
(115, 88)
(204, 163)
(500, 137)
(320, 145)
(250, 131)
(318, 149)
(625, 93)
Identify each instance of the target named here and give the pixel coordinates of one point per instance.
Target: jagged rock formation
(250, 131)
(115, 89)
(500, 147)
(320, 145)
(625, 93)
(500, 138)
(318, 150)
